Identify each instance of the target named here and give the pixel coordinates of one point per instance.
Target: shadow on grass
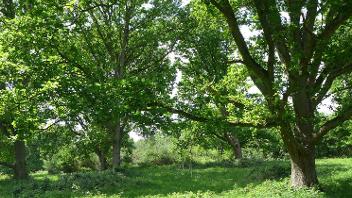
(165, 180)
(335, 179)
(133, 182)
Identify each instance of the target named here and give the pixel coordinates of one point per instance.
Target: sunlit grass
(249, 180)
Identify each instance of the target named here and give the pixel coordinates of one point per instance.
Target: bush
(90, 161)
(64, 161)
(77, 182)
(158, 150)
(271, 172)
(337, 143)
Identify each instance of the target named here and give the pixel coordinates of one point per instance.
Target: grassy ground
(266, 179)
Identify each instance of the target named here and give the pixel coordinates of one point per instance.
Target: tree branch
(199, 118)
(258, 73)
(326, 79)
(71, 61)
(159, 61)
(235, 61)
(336, 22)
(98, 5)
(9, 165)
(333, 123)
(51, 125)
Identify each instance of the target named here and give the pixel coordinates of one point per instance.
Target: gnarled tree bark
(303, 171)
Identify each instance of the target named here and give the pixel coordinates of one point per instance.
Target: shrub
(337, 143)
(158, 150)
(271, 172)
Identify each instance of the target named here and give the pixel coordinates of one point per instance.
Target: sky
(185, 2)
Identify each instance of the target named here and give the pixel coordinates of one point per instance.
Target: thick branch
(235, 61)
(294, 10)
(258, 73)
(326, 79)
(200, 118)
(264, 21)
(333, 123)
(308, 36)
(336, 22)
(9, 165)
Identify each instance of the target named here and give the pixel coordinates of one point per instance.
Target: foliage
(197, 80)
(263, 144)
(157, 150)
(338, 143)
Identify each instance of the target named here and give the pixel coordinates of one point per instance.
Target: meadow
(249, 178)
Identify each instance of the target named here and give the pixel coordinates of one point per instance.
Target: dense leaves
(247, 76)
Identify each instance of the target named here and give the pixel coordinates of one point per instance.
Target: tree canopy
(92, 71)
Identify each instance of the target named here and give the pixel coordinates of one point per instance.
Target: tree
(110, 58)
(127, 43)
(213, 87)
(297, 53)
(206, 49)
(19, 93)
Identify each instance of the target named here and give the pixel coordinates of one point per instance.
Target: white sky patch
(285, 16)
(177, 80)
(185, 2)
(247, 32)
(254, 90)
(147, 6)
(327, 106)
(135, 136)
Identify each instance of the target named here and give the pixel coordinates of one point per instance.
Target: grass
(266, 179)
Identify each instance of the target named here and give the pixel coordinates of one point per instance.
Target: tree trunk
(102, 159)
(235, 145)
(119, 74)
(116, 148)
(303, 173)
(302, 148)
(20, 170)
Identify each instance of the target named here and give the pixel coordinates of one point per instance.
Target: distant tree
(211, 88)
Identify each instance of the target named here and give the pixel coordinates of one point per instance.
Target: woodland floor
(248, 179)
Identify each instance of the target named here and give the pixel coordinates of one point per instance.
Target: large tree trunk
(102, 159)
(20, 170)
(303, 173)
(235, 145)
(116, 148)
(301, 147)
